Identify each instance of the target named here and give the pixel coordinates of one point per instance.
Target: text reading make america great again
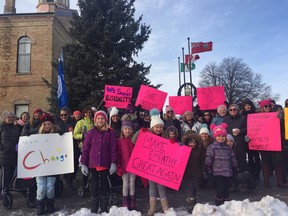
(158, 160)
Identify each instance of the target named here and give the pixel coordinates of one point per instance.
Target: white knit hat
(114, 111)
(204, 130)
(155, 118)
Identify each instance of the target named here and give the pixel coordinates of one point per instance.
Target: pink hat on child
(219, 130)
(102, 113)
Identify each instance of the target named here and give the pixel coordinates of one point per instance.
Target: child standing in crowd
(46, 184)
(194, 169)
(172, 133)
(99, 156)
(125, 148)
(220, 160)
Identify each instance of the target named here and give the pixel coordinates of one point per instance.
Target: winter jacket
(65, 126)
(217, 120)
(79, 127)
(9, 138)
(116, 126)
(194, 125)
(173, 122)
(31, 129)
(99, 148)
(220, 159)
(125, 148)
(195, 164)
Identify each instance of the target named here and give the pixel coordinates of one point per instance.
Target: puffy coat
(125, 148)
(9, 138)
(99, 148)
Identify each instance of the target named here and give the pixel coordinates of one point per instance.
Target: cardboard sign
(210, 97)
(263, 130)
(118, 96)
(286, 122)
(150, 98)
(45, 154)
(181, 104)
(158, 160)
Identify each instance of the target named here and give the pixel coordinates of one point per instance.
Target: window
(24, 55)
(20, 108)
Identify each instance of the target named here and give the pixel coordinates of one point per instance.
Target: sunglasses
(233, 109)
(267, 106)
(64, 114)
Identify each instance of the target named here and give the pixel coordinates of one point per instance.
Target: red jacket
(125, 148)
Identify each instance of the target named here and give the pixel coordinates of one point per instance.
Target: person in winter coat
(114, 121)
(100, 158)
(24, 118)
(9, 137)
(46, 184)
(189, 123)
(221, 113)
(195, 167)
(65, 124)
(220, 161)
(125, 148)
(170, 119)
(32, 126)
(172, 133)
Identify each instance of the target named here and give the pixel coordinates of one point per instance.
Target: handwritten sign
(263, 130)
(150, 98)
(118, 96)
(210, 97)
(45, 154)
(156, 159)
(181, 104)
(286, 122)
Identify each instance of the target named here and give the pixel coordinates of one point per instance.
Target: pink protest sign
(263, 130)
(158, 160)
(181, 104)
(118, 96)
(150, 98)
(210, 97)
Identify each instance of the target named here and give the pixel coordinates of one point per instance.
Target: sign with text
(286, 122)
(150, 98)
(180, 104)
(118, 96)
(263, 130)
(45, 154)
(210, 97)
(158, 160)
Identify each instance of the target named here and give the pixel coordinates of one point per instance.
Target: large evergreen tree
(107, 38)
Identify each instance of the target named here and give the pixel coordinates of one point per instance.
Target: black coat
(9, 138)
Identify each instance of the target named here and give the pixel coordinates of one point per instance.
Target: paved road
(70, 202)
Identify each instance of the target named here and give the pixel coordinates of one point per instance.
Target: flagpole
(183, 63)
(179, 69)
(189, 63)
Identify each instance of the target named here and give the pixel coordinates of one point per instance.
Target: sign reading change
(158, 160)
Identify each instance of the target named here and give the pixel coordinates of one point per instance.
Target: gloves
(113, 168)
(247, 139)
(84, 170)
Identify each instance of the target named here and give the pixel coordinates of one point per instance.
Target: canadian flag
(191, 59)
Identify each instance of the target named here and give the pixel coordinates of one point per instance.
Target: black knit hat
(46, 117)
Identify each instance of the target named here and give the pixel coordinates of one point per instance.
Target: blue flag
(61, 91)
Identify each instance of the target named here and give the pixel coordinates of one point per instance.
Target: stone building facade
(30, 45)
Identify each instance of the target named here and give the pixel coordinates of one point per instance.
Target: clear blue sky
(254, 30)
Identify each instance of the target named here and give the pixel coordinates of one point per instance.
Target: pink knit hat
(219, 130)
(102, 113)
(264, 103)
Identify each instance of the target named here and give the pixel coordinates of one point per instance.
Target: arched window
(24, 55)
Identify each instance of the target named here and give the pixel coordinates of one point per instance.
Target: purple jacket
(221, 159)
(99, 148)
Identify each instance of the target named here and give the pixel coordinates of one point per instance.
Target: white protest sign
(45, 154)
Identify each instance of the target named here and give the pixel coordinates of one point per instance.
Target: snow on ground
(267, 206)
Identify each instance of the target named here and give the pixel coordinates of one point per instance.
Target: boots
(40, 208)
(279, 177)
(132, 202)
(125, 201)
(50, 205)
(152, 208)
(218, 201)
(94, 205)
(266, 175)
(104, 202)
(164, 204)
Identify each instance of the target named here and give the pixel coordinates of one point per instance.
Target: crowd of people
(103, 141)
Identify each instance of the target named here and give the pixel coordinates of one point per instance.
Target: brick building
(30, 44)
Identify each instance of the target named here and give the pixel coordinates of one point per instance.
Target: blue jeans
(45, 187)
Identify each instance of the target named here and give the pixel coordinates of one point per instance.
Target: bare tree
(238, 79)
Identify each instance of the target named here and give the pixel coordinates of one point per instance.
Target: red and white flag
(191, 59)
(201, 47)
